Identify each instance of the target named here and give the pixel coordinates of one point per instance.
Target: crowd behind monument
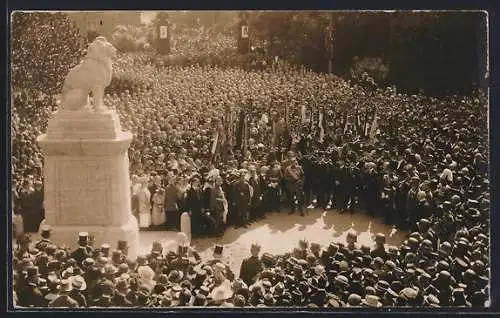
(422, 164)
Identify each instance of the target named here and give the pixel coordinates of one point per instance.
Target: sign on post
(163, 32)
(244, 31)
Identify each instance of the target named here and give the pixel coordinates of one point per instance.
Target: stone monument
(86, 165)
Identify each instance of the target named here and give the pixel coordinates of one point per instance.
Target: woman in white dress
(158, 216)
(144, 200)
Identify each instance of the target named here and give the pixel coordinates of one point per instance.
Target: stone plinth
(86, 179)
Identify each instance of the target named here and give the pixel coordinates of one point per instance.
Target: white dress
(158, 216)
(144, 197)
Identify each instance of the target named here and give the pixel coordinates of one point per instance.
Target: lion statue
(92, 75)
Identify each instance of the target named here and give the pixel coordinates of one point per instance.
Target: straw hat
(372, 301)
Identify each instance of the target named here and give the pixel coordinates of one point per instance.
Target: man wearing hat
(30, 295)
(218, 259)
(45, 231)
(379, 250)
(79, 286)
(83, 250)
(122, 294)
(251, 266)
(63, 299)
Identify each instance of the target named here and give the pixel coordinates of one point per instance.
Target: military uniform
(294, 179)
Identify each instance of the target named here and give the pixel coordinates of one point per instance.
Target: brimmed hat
(372, 301)
(109, 269)
(78, 282)
(175, 276)
(395, 288)
(381, 286)
(65, 286)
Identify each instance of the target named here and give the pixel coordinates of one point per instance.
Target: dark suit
(241, 192)
(78, 296)
(250, 267)
(194, 200)
(121, 301)
(31, 296)
(64, 301)
(171, 207)
(255, 206)
(80, 254)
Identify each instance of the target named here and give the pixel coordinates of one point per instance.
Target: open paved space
(279, 233)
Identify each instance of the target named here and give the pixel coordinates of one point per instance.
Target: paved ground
(280, 233)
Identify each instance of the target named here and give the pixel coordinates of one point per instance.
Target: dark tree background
(439, 53)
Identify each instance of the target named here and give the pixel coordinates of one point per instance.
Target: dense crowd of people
(44, 47)
(229, 145)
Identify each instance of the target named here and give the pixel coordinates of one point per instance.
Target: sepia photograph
(249, 159)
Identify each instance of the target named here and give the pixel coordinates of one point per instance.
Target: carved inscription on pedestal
(83, 192)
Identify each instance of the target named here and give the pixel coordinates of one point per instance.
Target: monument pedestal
(86, 179)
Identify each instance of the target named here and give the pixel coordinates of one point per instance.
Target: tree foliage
(45, 46)
(438, 52)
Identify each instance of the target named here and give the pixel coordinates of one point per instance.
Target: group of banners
(231, 134)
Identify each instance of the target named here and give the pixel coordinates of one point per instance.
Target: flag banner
(215, 142)
(245, 133)
(373, 127)
(358, 123)
(240, 134)
(312, 120)
(163, 32)
(286, 115)
(321, 126)
(365, 124)
(303, 114)
(346, 121)
(275, 137)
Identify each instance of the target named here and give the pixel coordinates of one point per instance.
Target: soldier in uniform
(285, 164)
(219, 208)
(294, 178)
(251, 266)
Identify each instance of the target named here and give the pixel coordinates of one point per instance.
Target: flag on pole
(373, 127)
(365, 124)
(241, 128)
(346, 121)
(303, 114)
(286, 115)
(321, 126)
(215, 142)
